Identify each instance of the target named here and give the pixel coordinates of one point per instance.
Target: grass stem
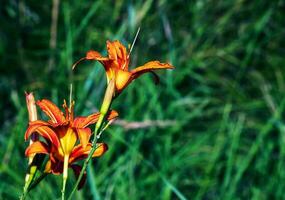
(104, 110)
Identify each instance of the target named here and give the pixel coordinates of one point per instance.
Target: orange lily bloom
(117, 63)
(62, 134)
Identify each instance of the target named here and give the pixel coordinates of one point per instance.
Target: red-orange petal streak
(118, 54)
(83, 122)
(79, 152)
(52, 111)
(33, 126)
(116, 50)
(49, 134)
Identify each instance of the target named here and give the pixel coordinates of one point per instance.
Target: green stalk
(31, 184)
(37, 181)
(103, 111)
(65, 175)
(30, 176)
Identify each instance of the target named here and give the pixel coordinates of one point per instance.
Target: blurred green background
(212, 129)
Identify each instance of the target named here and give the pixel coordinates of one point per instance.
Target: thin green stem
(31, 185)
(37, 181)
(23, 196)
(65, 175)
(103, 112)
(28, 180)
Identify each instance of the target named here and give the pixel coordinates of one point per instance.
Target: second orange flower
(117, 65)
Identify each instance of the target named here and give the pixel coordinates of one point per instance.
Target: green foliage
(223, 135)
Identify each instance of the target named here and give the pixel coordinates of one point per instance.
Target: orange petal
(112, 51)
(49, 134)
(79, 152)
(37, 147)
(152, 65)
(91, 55)
(33, 126)
(48, 167)
(117, 52)
(100, 150)
(123, 78)
(52, 111)
(83, 122)
(112, 115)
(84, 135)
(95, 55)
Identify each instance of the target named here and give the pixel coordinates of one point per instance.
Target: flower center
(122, 78)
(67, 138)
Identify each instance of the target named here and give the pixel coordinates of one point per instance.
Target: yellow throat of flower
(67, 140)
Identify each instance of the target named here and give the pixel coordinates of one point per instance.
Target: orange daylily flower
(61, 134)
(117, 65)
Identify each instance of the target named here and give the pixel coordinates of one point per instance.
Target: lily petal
(47, 133)
(83, 122)
(77, 169)
(48, 167)
(84, 135)
(152, 65)
(123, 78)
(79, 152)
(95, 55)
(52, 111)
(100, 150)
(91, 55)
(33, 126)
(116, 51)
(37, 147)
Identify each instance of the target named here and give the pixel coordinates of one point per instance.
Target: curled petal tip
(170, 66)
(77, 62)
(95, 55)
(113, 115)
(165, 65)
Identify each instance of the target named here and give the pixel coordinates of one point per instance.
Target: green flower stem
(37, 181)
(65, 175)
(28, 180)
(103, 112)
